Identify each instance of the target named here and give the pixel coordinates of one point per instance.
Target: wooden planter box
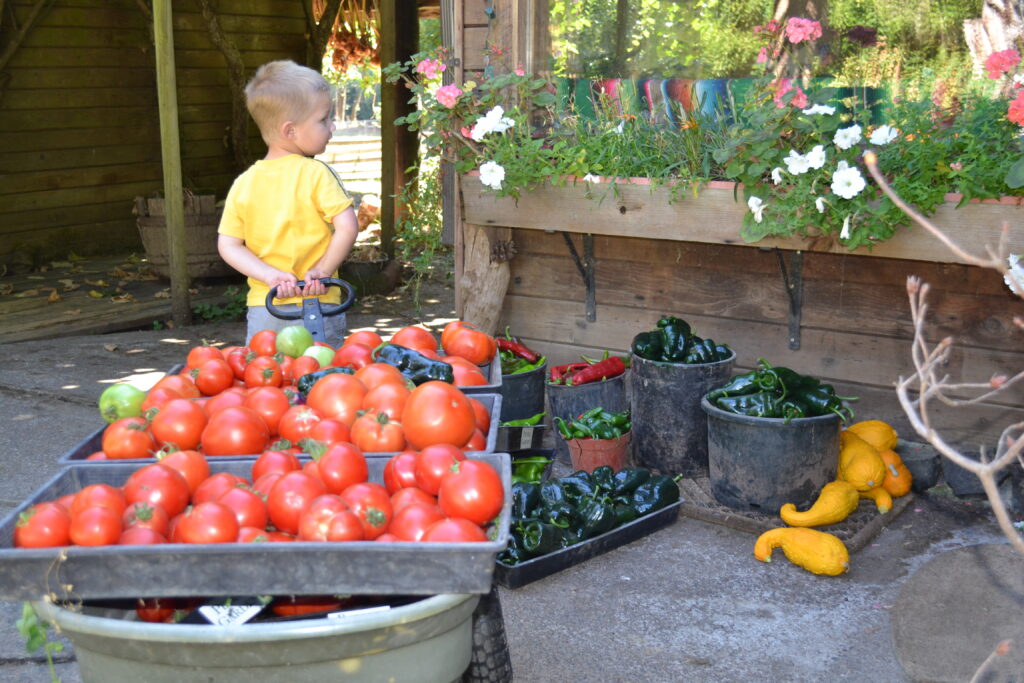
(852, 324)
(202, 217)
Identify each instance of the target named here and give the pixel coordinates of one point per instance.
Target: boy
(287, 217)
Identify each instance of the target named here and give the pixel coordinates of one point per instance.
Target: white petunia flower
(845, 233)
(1015, 278)
(493, 121)
(796, 163)
(491, 174)
(591, 178)
(819, 204)
(845, 138)
(816, 157)
(820, 109)
(848, 182)
(776, 175)
(621, 127)
(756, 205)
(882, 135)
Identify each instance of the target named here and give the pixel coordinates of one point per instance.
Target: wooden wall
(78, 117)
(855, 330)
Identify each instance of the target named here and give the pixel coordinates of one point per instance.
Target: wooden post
(170, 151)
(399, 145)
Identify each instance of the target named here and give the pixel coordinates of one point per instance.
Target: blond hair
(283, 91)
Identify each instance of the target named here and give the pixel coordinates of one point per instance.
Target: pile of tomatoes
(243, 400)
(432, 495)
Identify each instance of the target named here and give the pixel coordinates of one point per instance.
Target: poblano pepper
(654, 494)
(603, 479)
(761, 404)
(560, 514)
(737, 386)
(595, 518)
(551, 492)
(577, 486)
(540, 538)
(525, 497)
(414, 365)
(648, 345)
(628, 478)
(675, 334)
(306, 382)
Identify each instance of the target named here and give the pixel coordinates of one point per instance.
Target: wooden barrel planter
(202, 216)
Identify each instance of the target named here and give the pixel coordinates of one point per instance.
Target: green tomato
(294, 340)
(323, 354)
(121, 400)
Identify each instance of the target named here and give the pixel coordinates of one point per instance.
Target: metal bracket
(793, 279)
(586, 269)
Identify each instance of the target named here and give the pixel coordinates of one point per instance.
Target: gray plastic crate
(292, 568)
(493, 375)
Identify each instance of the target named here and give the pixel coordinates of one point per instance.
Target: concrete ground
(686, 603)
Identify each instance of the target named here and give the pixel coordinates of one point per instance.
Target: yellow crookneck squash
(813, 550)
(883, 501)
(897, 477)
(860, 464)
(879, 434)
(835, 503)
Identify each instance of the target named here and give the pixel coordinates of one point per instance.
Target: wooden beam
(167, 98)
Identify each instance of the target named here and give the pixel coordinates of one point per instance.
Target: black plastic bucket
(760, 463)
(569, 401)
(522, 393)
(670, 431)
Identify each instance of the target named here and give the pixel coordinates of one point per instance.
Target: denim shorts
(259, 318)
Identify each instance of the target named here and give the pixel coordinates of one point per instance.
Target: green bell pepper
(675, 334)
(654, 494)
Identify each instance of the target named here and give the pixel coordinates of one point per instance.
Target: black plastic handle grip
(325, 309)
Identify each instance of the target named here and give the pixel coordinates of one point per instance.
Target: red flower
(999, 63)
(1016, 111)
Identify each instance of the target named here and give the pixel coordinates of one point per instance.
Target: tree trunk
(319, 31)
(236, 81)
(998, 28)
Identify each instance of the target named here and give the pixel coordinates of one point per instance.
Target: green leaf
(1015, 176)
(544, 99)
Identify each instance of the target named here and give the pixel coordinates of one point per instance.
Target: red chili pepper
(605, 369)
(517, 348)
(561, 373)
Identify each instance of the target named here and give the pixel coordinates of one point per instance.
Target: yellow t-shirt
(282, 209)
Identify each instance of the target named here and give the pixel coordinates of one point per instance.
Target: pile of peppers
(596, 423)
(673, 341)
(779, 392)
(587, 371)
(564, 511)
(517, 357)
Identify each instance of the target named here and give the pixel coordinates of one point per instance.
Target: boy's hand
(285, 283)
(313, 285)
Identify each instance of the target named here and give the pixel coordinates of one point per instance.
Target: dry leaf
(193, 291)
(35, 277)
(27, 292)
(94, 294)
(122, 299)
(146, 275)
(110, 347)
(60, 264)
(97, 283)
(54, 297)
(118, 273)
(6, 289)
(162, 294)
(69, 285)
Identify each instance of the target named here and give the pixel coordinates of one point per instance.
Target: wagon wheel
(490, 661)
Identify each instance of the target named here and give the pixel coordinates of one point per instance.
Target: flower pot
(379, 276)
(759, 464)
(201, 219)
(567, 402)
(587, 454)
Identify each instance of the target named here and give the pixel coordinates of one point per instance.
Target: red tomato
(373, 432)
(263, 371)
(248, 506)
(271, 403)
(386, 538)
(274, 461)
(297, 422)
(158, 485)
(235, 431)
(477, 442)
(375, 374)
(338, 397)
(294, 606)
(128, 437)
(410, 494)
(238, 358)
(97, 455)
(191, 464)
(217, 485)
(410, 522)
(251, 534)
(213, 377)
(453, 530)
(388, 398)
(290, 497)
(341, 466)
(330, 432)
(285, 363)
(179, 422)
(198, 355)
(266, 482)
(372, 505)
(466, 374)
(433, 462)
(345, 526)
(400, 471)
(156, 610)
(483, 416)
(229, 398)
(264, 343)
(463, 339)
(141, 535)
(95, 526)
(315, 521)
(354, 355)
(158, 397)
(179, 383)
(144, 514)
(99, 495)
(208, 523)
(471, 490)
(45, 525)
(303, 365)
(368, 337)
(437, 412)
(414, 337)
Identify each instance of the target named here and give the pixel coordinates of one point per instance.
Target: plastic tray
(515, 576)
(94, 442)
(294, 568)
(493, 374)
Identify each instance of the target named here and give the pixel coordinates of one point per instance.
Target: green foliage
(36, 635)
(419, 225)
(233, 309)
(727, 43)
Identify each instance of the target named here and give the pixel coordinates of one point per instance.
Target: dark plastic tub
(670, 431)
(225, 569)
(522, 394)
(514, 576)
(94, 442)
(759, 463)
(569, 401)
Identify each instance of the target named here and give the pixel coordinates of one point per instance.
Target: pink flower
(1016, 110)
(999, 63)
(762, 56)
(519, 71)
(772, 26)
(799, 30)
(465, 131)
(448, 95)
(783, 86)
(430, 68)
(799, 99)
